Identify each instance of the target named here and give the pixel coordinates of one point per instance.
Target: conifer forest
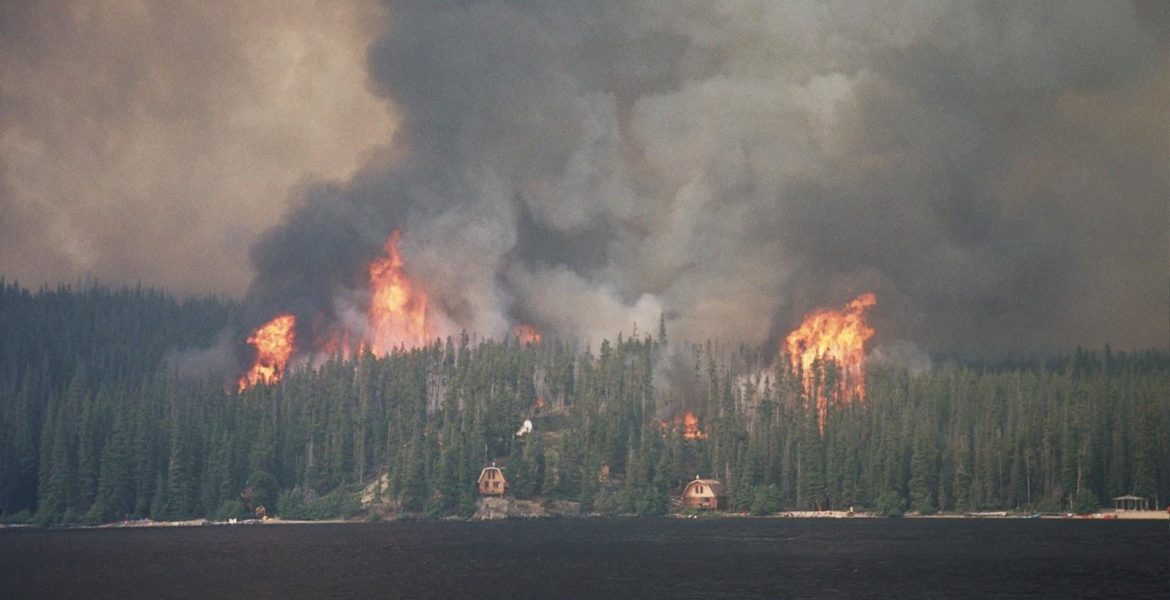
(104, 418)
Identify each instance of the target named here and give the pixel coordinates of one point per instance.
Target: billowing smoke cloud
(154, 141)
(994, 172)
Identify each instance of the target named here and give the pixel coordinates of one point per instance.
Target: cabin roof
(716, 486)
(492, 468)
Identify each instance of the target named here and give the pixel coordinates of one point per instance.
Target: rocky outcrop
(494, 508)
(377, 492)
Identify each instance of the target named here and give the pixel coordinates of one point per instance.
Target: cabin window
(699, 489)
(496, 485)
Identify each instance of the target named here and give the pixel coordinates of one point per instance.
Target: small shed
(705, 494)
(1131, 503)
(491, 481)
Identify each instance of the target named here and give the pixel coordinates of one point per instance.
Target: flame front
(837, 335)
(274, 342)
(398, 311)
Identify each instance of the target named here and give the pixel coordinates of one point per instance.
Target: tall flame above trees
(396, 316)
(398, 309)
(274, 342)
(837, 335)
(389, 311)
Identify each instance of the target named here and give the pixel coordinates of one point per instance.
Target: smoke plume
(994, 172)
(153, 141)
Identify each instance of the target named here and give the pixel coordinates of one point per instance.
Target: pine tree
(924, 474)
(115, 491)
(414, 494)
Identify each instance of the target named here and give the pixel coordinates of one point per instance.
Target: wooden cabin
(491, 481)
(705, 494)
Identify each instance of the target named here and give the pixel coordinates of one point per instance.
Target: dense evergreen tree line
(96, 424)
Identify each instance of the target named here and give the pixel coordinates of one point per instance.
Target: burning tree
(832, 335)
(274, 342)
(398, 308)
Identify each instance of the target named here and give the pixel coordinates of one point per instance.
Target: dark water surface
(592, 558)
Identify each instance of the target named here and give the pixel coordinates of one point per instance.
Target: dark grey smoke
(994, 172)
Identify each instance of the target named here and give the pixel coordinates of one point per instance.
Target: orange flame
(337, 344)
(690, 427)
(526, 334)
(837, 335)
(274, 344)
(398, 311)
(539, 403)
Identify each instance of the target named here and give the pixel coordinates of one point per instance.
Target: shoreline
(153, 524)
(791, 514)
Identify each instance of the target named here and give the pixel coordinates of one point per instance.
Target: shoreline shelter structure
(1121, 503)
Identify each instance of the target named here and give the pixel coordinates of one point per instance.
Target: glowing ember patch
(337, 344)
(837, 335)
(688, 424)
(526, 334)
(398, 311)
(691, 429)
(274, 343)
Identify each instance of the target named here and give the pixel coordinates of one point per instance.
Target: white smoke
(900, 354)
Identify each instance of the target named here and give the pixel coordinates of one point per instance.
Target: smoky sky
(996, 173)
(154, 141)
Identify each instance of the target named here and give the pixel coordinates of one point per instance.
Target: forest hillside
(102, 418)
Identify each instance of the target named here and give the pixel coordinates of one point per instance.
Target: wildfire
(396, 316)
(398, 311)
(338, 343)
(837, 335)
(690, 426)
(526, 334)
(691, 429)
(274, 344)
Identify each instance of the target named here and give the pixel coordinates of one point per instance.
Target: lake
(591, 558)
